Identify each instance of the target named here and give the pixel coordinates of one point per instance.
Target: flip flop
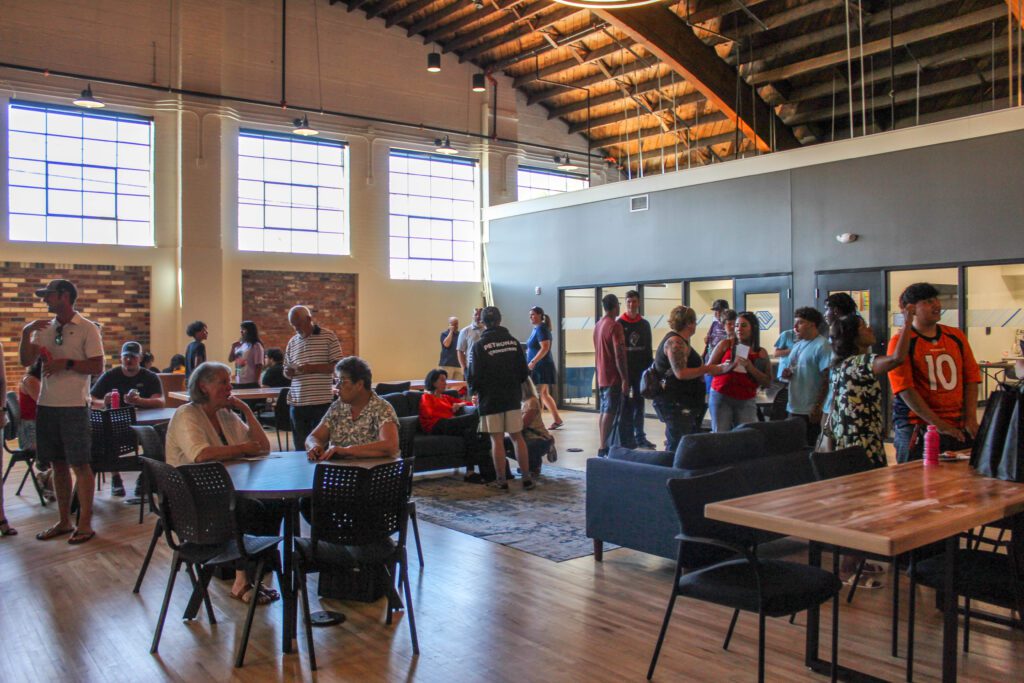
(865, 582)
(53, 532)
(79, 538)
(872, 568)
(556, 425)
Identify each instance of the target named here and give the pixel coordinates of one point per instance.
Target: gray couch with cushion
(432, 452)
(628, 502)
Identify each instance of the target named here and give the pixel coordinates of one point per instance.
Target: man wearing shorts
(612, 369)
(72, 350)
(495, 373)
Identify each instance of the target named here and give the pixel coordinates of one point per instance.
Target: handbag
(652, 384)
(1011, 462)
(992, 439)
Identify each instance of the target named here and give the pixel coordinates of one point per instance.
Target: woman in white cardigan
(206, 429)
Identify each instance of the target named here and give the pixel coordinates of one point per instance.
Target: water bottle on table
(931, 446)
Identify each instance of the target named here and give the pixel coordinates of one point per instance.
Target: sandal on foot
(270, 593)
(80, 537)
(872, 568)
(248, 593)
(473, 478)
(556, 425)
(53, 532)
(865, 582)
(6, 529)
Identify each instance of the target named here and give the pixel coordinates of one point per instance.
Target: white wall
(233, 47)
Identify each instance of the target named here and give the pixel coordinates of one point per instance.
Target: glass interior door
(995, 321)
(766, 306)
(577, 327)
(946, 280)
(656, 302)
(700, 295)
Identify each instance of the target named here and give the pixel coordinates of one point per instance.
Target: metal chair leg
(895, 606)
(240, 656)
(732, 625)
(661, 635)
(158, 530)
(967, 623)
(835, 638)
(175, 566)
(760, 647)
(911, 609)
(856, 580)
(300, 581)
(403, 568)
(415, 531)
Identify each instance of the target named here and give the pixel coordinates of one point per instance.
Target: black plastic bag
(1011, 464)
(991, 439)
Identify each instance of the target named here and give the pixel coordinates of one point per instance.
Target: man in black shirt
(137, 386)
(273, 376)
(639, 355)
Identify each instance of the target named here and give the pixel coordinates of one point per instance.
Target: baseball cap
(720, 305)
(131, 348)
(58, 286)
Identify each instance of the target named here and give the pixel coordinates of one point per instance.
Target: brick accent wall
(117, 297)
(267, 296)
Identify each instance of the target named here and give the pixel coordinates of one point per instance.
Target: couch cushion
(701, 451)
(400, 403)
(780, 436)
(427, 446)
(663, 458)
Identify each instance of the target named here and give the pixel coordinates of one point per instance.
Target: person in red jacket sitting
(443, 414)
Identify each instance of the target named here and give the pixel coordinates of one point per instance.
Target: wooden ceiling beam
(638, 88)
(547, 21)
(512, 16)
(380, 7)
(406, 12)
(437, 16)
(571, 63)
(983, 16)
(772, 21)
(593, 79)
(655, 131)
(674, 43)
(569, 40)
(485, 13)
(353, 5)
(666, 104)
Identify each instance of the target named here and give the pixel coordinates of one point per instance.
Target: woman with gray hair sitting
(205, 429)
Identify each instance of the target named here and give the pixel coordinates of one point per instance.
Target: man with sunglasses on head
(72, 351)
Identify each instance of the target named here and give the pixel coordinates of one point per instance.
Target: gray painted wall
(951, 203)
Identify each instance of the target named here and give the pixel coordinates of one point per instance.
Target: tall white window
(435, 229)
(539, 182)
(78, 176)
(292, 194)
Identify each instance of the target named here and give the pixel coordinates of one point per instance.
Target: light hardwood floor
(484, 613)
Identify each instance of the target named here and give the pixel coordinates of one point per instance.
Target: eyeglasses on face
(342, 381)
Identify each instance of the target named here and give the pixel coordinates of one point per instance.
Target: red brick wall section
(117, 297)
(267, 296)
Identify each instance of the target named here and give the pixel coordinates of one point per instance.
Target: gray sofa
(628, 502)
(432, 452)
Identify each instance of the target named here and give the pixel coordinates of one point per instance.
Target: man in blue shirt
(783, 347)
(807, 372)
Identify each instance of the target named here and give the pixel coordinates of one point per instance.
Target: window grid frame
(409, 215)
(534, 171)
(345, 231)
(118, 117)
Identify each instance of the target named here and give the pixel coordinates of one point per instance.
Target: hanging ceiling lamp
(479, 83)
(444, 146)
(565, 164)
(86, 100)
(434, 62)
(605, 4)
(303, 128)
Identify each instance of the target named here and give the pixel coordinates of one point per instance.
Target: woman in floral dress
(856, 417)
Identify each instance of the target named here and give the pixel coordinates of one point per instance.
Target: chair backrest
(13, 411)
(112, 437)
(171, 381)
(357, 506)
(282, 415)
(198, 501)
(150, 440)
(397, 387)
(691, 494)
(832, 464)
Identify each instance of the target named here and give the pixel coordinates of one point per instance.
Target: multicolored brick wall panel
(116, 297)
(268, 295)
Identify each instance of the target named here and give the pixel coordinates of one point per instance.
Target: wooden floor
(484, 612)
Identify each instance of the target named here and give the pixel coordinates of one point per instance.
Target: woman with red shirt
(439, 416)
(732, 393)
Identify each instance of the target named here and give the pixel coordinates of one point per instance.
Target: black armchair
(771, 588)
(22, 455)
(152, 444)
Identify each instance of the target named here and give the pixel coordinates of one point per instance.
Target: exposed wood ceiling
(675, 84)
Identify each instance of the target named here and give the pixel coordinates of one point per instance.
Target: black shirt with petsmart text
(145, 382)
(496, 370)
(639, 342)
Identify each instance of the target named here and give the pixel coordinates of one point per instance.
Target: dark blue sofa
(628, 502)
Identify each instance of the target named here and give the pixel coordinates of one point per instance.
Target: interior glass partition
(995, 320)
(701, 294)
(657, 301)
(946, 280)
(578, 320)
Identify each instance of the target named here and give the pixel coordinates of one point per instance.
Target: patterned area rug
(549, 521)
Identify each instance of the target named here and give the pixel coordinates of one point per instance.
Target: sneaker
(117, 488)
(528, 483)
(644, 443)
(602, 452)
(552, 453)
(498, 485)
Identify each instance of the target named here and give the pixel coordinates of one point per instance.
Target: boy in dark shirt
(639, 354)
(195, 353)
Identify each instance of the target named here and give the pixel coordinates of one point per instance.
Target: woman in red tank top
(733, 393)
(438, 416)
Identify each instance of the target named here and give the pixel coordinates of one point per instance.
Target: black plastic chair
(356, 513)
(771, 588)
(396, 388)
(197, 508)
(840, 463)
(280, 419)
(987, 576)
(113, 440)
(406, 447)
(27, 456)
(152, 449)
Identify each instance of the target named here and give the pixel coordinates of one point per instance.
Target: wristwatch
(69, 365)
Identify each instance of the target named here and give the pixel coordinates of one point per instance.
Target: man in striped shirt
(309, 363)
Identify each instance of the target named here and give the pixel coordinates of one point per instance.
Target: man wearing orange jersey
(938, 382)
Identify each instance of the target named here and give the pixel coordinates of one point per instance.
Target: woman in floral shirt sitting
(359, 424)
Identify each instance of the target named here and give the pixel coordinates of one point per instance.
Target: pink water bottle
(931, 446)
(115, 402)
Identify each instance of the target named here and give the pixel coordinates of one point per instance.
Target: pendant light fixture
(303, 128)
(444, 146)
(565, 164)
(434, 62)
(86, 100)
(479, 83)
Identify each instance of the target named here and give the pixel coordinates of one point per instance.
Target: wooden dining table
(887, 511)
(177, 398)
(286, 476)
(153, 416)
